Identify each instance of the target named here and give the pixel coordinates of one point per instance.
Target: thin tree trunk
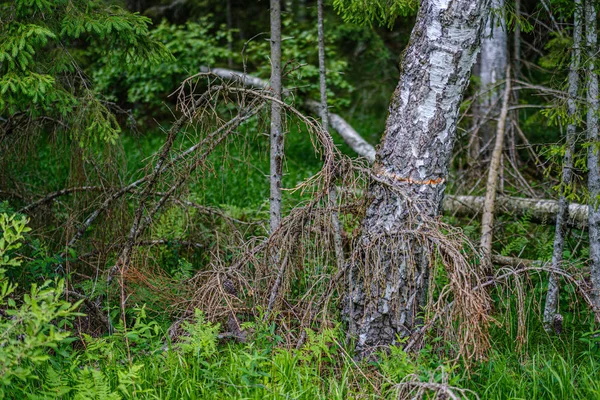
(276, 169)
(517, 42)
(551, 307)
(391, 266)
(592, 157)
(487, 220)
(336, 122)
(335, 220)
(229, 35)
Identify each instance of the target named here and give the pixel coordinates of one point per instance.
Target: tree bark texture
(551, 306)
(487, 220)
(276, 161)
(592, 156)
(391, 263)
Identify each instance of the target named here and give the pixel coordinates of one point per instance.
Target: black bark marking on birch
(391, 262)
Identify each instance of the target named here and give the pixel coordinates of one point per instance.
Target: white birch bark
(592, 156)
(276, 161)
(551, 306)
(410, 170)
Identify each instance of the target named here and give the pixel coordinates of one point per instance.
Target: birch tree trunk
(276, 161)
(551, 317)
(492, 69)
(390, 266)
(592, 157)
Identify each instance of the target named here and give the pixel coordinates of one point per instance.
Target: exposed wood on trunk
(551, 306)
(391, 268)
(336, 122)
(592, 156)
(539, 210)
(276, 164)
(487, 220)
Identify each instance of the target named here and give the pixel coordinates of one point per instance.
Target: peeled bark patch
(391, 264)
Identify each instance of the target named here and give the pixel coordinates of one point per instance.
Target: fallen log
(337, 123)
(540, 210)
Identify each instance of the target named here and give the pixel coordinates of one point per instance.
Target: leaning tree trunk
(489, 207)
(492, 68)
(592, 159)
(553, 320)
(276, 169)
(391, 265)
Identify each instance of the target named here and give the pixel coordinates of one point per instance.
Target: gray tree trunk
(492, 69)
(551, 307)
(390, 266)
(592, 156)
(276, 169)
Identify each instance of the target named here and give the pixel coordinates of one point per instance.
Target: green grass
(204, 367)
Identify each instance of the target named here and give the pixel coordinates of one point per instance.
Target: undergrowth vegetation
(99, 136)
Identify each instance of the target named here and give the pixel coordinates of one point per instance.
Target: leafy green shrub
(34, 327)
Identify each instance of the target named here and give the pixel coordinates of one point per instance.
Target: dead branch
(339, 124)
(138, 183)
(487, 219)
(49, 197)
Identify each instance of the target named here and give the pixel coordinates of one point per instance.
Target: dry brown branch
(134, 186)
(49, 197)
(339, 124)
(489, 206)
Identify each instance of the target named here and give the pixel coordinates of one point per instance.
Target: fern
(92, 385)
